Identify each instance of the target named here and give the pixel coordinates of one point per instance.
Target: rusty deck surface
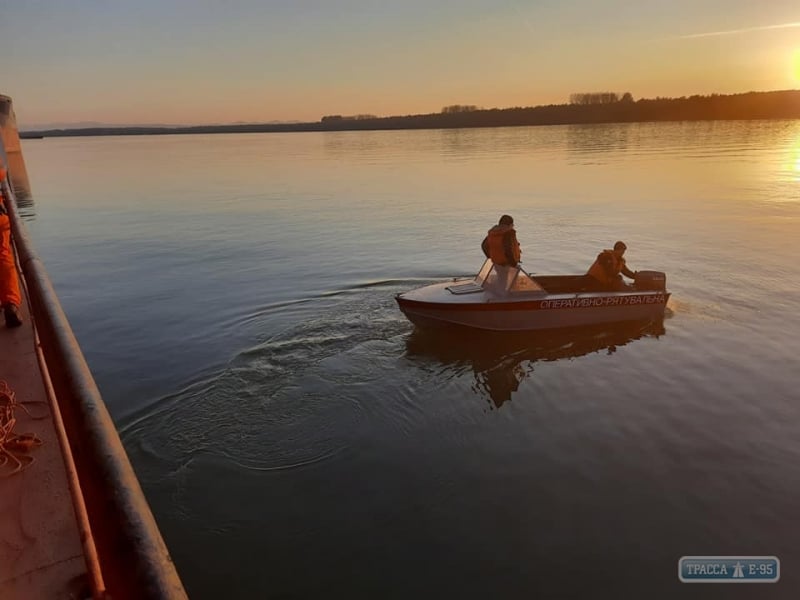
(40, 550)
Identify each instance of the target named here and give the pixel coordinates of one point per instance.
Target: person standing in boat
(606, 272)
(502, 247)
(9, 284)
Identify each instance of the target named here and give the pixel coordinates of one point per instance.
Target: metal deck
(40, 550)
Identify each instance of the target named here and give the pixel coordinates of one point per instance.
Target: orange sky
(202, 62)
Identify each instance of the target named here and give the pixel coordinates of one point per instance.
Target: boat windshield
(512, 280)
(484, 272)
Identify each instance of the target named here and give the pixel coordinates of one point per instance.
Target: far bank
(747, 106)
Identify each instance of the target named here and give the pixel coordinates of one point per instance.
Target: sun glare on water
(797, 166)
(796, 149)
(794, 170)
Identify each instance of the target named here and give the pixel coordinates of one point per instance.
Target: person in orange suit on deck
(9, 283)
(502, 247)
(604, 274)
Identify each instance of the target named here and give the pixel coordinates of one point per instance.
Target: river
(296, 438)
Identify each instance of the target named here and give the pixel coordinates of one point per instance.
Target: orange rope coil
(14, 448)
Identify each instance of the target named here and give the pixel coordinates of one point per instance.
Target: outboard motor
(650, 280)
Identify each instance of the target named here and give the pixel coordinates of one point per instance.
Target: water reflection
(462, 143)
(592, 139)
(501, 361)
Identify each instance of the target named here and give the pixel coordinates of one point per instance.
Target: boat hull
(548, 312)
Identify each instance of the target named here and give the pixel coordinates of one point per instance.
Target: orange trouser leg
(9, 284)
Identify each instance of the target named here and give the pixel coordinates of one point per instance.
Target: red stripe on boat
(544, 304)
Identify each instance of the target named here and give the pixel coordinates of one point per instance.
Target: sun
(796, 66)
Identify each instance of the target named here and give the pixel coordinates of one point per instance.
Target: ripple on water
(279, 405)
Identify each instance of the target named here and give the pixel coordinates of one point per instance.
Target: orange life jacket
(497, 249)
(607, 266)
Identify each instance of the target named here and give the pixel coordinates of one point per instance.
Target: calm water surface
(296, 437)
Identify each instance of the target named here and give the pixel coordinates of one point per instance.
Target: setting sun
(796, 65)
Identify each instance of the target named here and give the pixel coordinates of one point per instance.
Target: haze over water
(296, 438)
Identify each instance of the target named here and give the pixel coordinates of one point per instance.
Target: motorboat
(511, 299)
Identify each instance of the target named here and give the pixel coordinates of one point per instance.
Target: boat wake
(277, 405)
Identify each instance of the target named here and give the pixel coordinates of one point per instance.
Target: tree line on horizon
(591, 107)
(599, 98)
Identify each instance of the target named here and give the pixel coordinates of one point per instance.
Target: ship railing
(131, 555)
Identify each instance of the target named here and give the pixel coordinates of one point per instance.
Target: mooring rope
(14, 447)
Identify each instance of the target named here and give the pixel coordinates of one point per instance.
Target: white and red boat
(509, 299)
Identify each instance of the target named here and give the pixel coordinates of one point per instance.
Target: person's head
(506, 220)
(620, 248)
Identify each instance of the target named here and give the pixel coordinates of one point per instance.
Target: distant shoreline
(746, 106)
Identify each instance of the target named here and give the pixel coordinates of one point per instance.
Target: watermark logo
(729, 569)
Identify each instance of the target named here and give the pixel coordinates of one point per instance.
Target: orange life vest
(497, 250)
(607, 266)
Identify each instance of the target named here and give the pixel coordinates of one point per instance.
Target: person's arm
(626, 271)
(509, 241)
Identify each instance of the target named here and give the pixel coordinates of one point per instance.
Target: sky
(187, 62)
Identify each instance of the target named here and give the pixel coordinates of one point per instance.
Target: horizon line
(82, 125)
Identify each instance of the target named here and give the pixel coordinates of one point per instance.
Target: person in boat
(502, 247)
(9, 283)
(606, 272)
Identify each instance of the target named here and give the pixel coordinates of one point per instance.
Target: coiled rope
(14, 448)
